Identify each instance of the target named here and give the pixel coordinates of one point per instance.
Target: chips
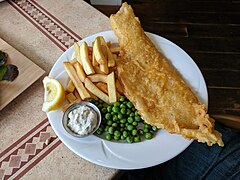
(92, 73)
(87, 66)
(111, 88)
(96, 91)
(70, 87)
(98, 78)
(80, 72)
(71, 97)
(76, 81)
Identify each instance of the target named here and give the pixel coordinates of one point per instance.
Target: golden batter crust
(158, 92)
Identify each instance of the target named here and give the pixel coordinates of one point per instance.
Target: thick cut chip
(98, 78)
(76, 81)
(87, 66)
(73, 61)
(111, 88)
(109, 55)
(104, 68)
(94, 61)
(70, 87)
(97, 70)
(77, 52)
(76, 94)
(71, 97)
(97, 92)
(103, 87)
(80, 72)
(98, 53)
(158, 92)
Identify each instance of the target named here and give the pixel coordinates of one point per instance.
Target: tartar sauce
(82, 120)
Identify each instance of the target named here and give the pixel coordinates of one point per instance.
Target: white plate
(148, 153)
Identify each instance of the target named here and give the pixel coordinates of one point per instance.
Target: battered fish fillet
(158, 92)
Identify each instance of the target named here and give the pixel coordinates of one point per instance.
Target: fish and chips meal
(134, 86)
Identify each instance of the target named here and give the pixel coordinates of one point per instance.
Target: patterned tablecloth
(42, 30)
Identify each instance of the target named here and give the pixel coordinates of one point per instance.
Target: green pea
(134, 132)
(121, 98)
(92, 100)
(105, 105)
(148, 136)
(123, 111)
(130, 120)
(121, 129)
(109, 122)
(125, 102)
(111, 130)
(133, 109)
(117, 133)
(123, 120)
(132, 114)
(122, 137)
(106, 128)
(140, 132)
(101, 128)
(137, 118)
(129, 139)
(128, 112)
(115, 117)
(130, 127)
(100, 106)
(129, 104)
(136, 113)
(135, 123)
(114, 125)
(123, 106)
(137, 139)
(116, 138)
(109, 108)
(116, 104)
(115, 109)
(120, 116)
(154, 128)
(96, 103)
(125, 133)
(145, 130)
(104, 110)
(147, 126)
(112, 113)
(108, 116)
(99, 132)
(108, 136)
(122, 125)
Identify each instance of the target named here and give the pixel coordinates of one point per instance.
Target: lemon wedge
(54, 95)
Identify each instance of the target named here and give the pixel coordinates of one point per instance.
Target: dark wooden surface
(209, 31)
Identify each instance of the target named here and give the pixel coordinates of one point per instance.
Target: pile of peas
(121, 121)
